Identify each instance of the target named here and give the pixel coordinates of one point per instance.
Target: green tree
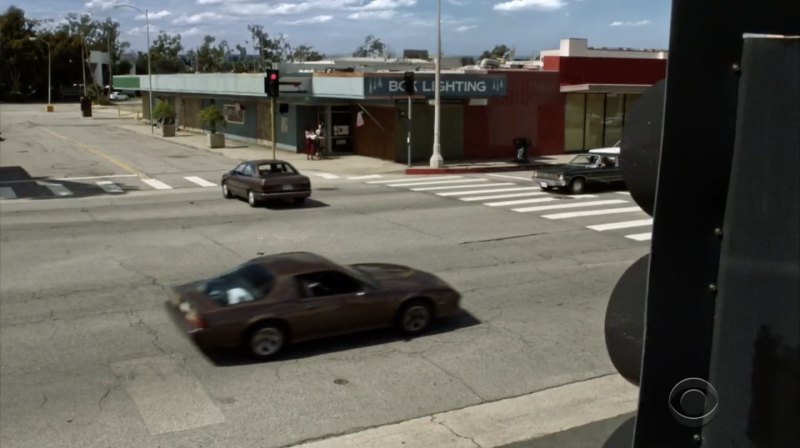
(22, 59)
(165, 51)
(303, 53)
(372, 47)
(269, 49)
(498, 52)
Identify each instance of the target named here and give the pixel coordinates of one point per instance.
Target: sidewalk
(240, 150)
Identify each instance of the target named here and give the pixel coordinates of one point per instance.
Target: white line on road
(520, 201)
(155, 183)
(7, 192)
(454, 187)
(110, 176)
(56, 189)
(168, 397)
(497, 190)
(502, 422)
(502, 196)
(641, 236)
(627, 193)
(511, 177)
(109, 187)
(438, 182)
(621, 225)
(411, 179)
(570, 205)
(323, 175)
(368, 176)
(200, 181)
(608, 211)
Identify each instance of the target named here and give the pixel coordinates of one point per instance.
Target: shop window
(573, 122)
(595, 109)
(615, 112)
(234, 113)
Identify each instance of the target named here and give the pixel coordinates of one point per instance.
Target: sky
(338, 27)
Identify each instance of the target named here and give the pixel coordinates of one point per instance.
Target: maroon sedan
(261, 180)
(270, 301)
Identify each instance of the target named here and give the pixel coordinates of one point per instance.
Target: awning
(605, 88)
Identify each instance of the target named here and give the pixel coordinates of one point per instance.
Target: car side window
(248, 171)
(239, 169)
(328, 283)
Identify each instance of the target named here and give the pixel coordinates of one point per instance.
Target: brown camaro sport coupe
(261, 180)
(270, 301)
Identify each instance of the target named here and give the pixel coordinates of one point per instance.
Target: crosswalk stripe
(109, 187)
(570, 205)
(7, 192)
(322, 175)
(437, 182)
(454, 187)
(621, 225)
(411, 179)
(497, 190)
(627, 193)
(608, 211)
(510, 177)
(503, 196)
(200, 181)
(641, 236)
(520, 201)
(56, 189)
(155, 183)
(368, 176)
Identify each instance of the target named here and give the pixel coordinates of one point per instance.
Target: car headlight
(560, 177)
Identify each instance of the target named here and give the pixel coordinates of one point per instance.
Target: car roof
(260, 161)
(612, 151)
(293, 263)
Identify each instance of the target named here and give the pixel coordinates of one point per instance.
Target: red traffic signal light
(272, 83)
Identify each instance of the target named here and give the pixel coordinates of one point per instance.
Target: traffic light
(272, 83)
(408, 82)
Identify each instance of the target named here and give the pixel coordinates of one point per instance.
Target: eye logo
(693, 402)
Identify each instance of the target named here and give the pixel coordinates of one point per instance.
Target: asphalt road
(89, 358)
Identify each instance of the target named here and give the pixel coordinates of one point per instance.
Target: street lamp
(149, 69)
(49, 72)
(436, 159)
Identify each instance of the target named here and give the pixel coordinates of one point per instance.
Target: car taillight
(196, 320)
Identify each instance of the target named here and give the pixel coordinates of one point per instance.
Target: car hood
(395, 275)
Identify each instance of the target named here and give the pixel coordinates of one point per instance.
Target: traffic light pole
(272, 104)
(408, 141)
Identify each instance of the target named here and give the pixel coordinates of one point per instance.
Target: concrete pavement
(241, 150)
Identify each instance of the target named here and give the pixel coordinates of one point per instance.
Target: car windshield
(584, 160)
(245, 284)
(362, 275)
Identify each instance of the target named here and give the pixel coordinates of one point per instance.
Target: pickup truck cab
(597, 166)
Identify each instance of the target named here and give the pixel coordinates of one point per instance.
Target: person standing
(310, 146)
(318, 134)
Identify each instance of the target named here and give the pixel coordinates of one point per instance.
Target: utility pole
(436, 159)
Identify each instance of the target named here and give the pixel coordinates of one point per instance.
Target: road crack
(453, 376)
(139, 324)
(452, 431)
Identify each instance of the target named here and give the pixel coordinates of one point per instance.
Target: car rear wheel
(251, 199)
(577, 186)
(226, 193)
(267, 341)
(414, 317)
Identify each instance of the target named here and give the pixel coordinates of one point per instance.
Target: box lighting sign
(451, 86)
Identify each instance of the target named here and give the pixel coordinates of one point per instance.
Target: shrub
(211, 116)
(164, 113)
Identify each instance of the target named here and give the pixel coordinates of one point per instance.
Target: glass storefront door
(595, 120)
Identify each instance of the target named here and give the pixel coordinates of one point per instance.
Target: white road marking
(109, 187)
(622, 225)
(56, 189)
(627, 193)
(641, 236)
(502, 422)
(520, 201)
(157, 184)
(7, 192)
(368, 176)
(511, 177)
(200, 181)
(411, 179)
(324, 175)
(110, 176)
(503, 196)
(454, 187)
(498, 190)
(608, 211)
(168, 397)
(570, 205)
(438, 182)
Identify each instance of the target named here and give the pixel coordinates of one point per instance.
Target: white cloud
(464, 28)
(154, 16)
(185, 19)
(376, 5)
(457, 2)
(518, 5)
(102, 4)
(142, 31)
(638, 23)
(193, 31)
(262, 9)
(372, 15)
(315, 19)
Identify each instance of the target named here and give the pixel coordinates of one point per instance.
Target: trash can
(521, 145)
(86, 107)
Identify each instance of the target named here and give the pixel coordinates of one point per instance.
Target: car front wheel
(251, 199)
(414, 317)
(577, 186)
(226, 193)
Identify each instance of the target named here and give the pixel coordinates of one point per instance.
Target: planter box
(168, 130)
(216, 140)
